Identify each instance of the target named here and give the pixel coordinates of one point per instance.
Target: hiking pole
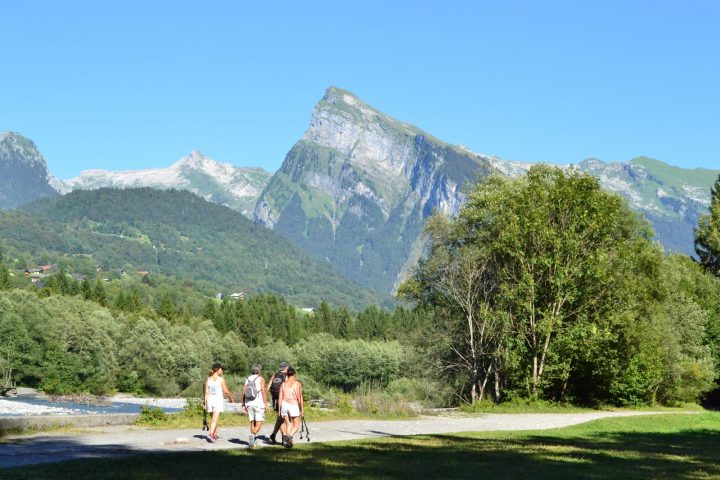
(304, 427)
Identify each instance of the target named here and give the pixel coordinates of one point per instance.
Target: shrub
(151, 416)
(429, 393)
(346, 364)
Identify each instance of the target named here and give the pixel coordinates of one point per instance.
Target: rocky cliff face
(356, 190)
(237, 188)
(24, 175)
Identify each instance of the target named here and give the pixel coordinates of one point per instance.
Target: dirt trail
(124, 440)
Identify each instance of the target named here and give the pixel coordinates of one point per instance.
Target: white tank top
(215, 391)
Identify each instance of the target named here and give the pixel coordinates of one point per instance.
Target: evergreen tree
(326, 319)
(121, 301)
(99, 293)
(167, 309)
(52, 287)
(226, 317)
(707, 233)
(344, 324)
(86, 289)
(209, 311)
(58, 283)
(373, 324)
(5, 279)
(133, 301)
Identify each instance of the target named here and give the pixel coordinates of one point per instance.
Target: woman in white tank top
(215, 390)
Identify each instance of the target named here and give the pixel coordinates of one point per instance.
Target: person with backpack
(254, 401)
(274, 385)
(215, 390)
(291, 406)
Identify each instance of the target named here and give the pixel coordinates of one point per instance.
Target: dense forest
(130, 335)
(174, 233)
(544, 288)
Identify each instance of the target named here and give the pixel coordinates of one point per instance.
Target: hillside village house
(41, 269)
(38, 273)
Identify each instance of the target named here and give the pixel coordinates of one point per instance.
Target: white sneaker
(251, 440)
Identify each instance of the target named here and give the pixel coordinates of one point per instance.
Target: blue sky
(136, 84)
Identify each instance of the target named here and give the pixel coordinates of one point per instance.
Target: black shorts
(276, 407)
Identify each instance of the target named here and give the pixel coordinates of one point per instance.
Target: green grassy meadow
(657, 446)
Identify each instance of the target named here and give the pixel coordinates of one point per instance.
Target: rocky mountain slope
(24, 174)
(357, 188)
(222, 183)
(671, 198)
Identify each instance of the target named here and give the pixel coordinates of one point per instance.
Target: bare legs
(255, 427)
(290, 426)
(214, 422)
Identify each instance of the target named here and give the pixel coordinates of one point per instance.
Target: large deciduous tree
(459, 279)
(529, 261)
(707, 233)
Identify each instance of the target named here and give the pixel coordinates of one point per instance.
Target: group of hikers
(285, 391)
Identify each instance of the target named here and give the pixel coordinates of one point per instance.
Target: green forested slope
(179, 234)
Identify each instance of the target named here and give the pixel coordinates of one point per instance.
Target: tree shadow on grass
(687, 454)
(627, 455)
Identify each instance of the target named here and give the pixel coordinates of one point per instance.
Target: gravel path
(124, 440)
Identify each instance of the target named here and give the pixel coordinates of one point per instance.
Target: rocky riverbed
(31, 402)
(17, 407)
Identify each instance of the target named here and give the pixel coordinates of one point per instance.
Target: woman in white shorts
(215, 390)
(291, 406)
(254, 407)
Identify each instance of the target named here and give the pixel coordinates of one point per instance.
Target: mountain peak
(194, 160)
(215, 181)
(592, 163)
(342, 121)
(14, 142)
(360, 183)
(24, 172)
(343, 102)
(335, 95)
(10, 134)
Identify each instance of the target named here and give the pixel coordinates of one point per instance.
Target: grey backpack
(251, 390)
